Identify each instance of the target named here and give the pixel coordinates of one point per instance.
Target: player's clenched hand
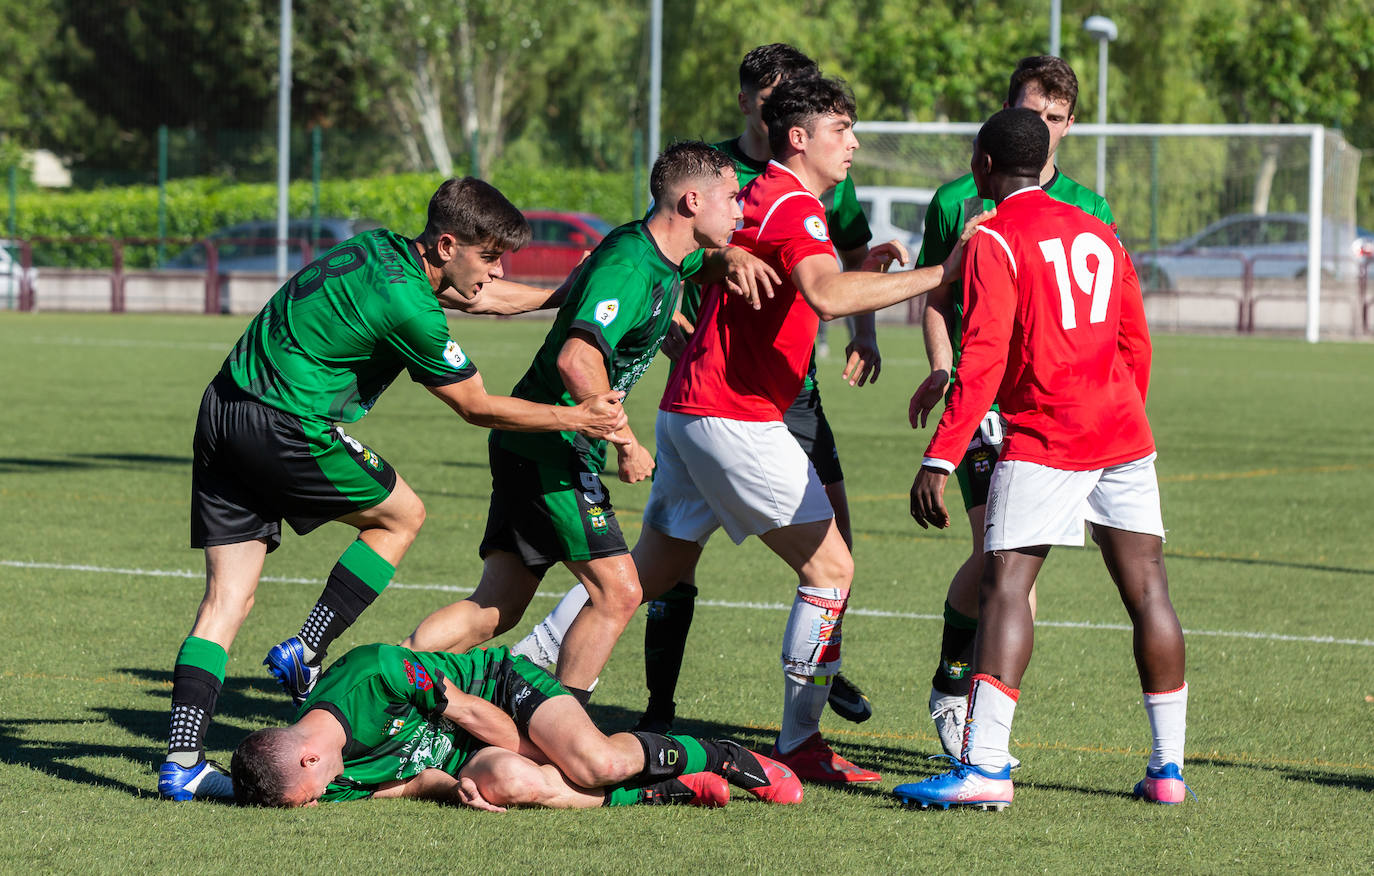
(928, 499)
(601, 415)
(635, 462)
(863, 362)
(881, 257)
(749, 276)
(926, 397)
(471, 796)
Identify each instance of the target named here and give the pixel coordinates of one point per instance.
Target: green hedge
(196, 207)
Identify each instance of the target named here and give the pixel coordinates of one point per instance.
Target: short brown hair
(475, 212)
(683, 162)
(1048, 73)
(260, 768)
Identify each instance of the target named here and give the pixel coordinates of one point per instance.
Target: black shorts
(805, 419)
(548, 514)
(515, 685)
(254, 466)
(974, 471)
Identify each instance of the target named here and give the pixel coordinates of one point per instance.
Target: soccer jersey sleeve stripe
(594, 330)
(1003, 241)
(779, 202)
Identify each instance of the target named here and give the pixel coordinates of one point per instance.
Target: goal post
(1168, 186)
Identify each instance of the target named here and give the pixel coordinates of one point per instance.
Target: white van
(896, 213)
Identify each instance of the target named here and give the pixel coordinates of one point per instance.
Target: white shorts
(748, 477)
(1031, 504)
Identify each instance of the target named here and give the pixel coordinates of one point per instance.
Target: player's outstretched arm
(504, 298)
(833, 294)
(597, 416)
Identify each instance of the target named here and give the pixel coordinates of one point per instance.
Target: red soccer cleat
(708, 789)
(814, 761)
(765, 778)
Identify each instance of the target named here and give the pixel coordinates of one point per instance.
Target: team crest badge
(606, 311)
(596, 515)
(815, 226)
(372, 459)
(454, 355)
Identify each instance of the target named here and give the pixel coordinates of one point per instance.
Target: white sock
(987, 731)
(545, 641)
(803, 700)
(1168, 714)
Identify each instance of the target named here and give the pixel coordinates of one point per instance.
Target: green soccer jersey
(624, 298)
(390, 702)
(327, 344)
(957, 201)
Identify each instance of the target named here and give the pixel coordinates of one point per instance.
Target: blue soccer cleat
(1164, 785)
(287, 664)
(204, 781)
(965, 785)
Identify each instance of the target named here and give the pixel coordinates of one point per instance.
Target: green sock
(622, 796)
(697, 758)
(203, 654)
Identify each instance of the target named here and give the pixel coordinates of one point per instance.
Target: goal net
(1218, 218)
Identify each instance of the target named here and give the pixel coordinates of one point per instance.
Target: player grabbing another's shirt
(548, 503)
(1054, 332)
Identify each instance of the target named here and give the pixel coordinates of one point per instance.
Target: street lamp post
(1103, 30)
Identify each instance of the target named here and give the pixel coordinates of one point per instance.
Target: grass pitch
(1266, 468)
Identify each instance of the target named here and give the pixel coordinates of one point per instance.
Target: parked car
(557, 241)
(252, 246)
(1274, 245)
(896, 213)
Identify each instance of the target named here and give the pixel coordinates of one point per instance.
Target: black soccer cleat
(847, 701)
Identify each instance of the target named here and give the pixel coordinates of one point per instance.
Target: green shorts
(548, 514)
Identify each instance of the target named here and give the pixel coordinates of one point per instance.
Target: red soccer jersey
(747, 364)
(1054, 332)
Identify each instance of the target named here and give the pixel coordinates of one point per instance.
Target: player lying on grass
(268, 444)
(1054, 331)
(483, 729)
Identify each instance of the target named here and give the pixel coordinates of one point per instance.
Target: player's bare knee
(829, 568)
(593, 768)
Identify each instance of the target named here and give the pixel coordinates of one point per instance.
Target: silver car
(1272, 245)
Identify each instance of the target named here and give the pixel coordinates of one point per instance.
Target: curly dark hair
(772, 63)
(1017, 141)
(260, 767)
(798, 102)
(475, 212)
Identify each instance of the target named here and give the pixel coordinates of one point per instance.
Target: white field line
(711, 603)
